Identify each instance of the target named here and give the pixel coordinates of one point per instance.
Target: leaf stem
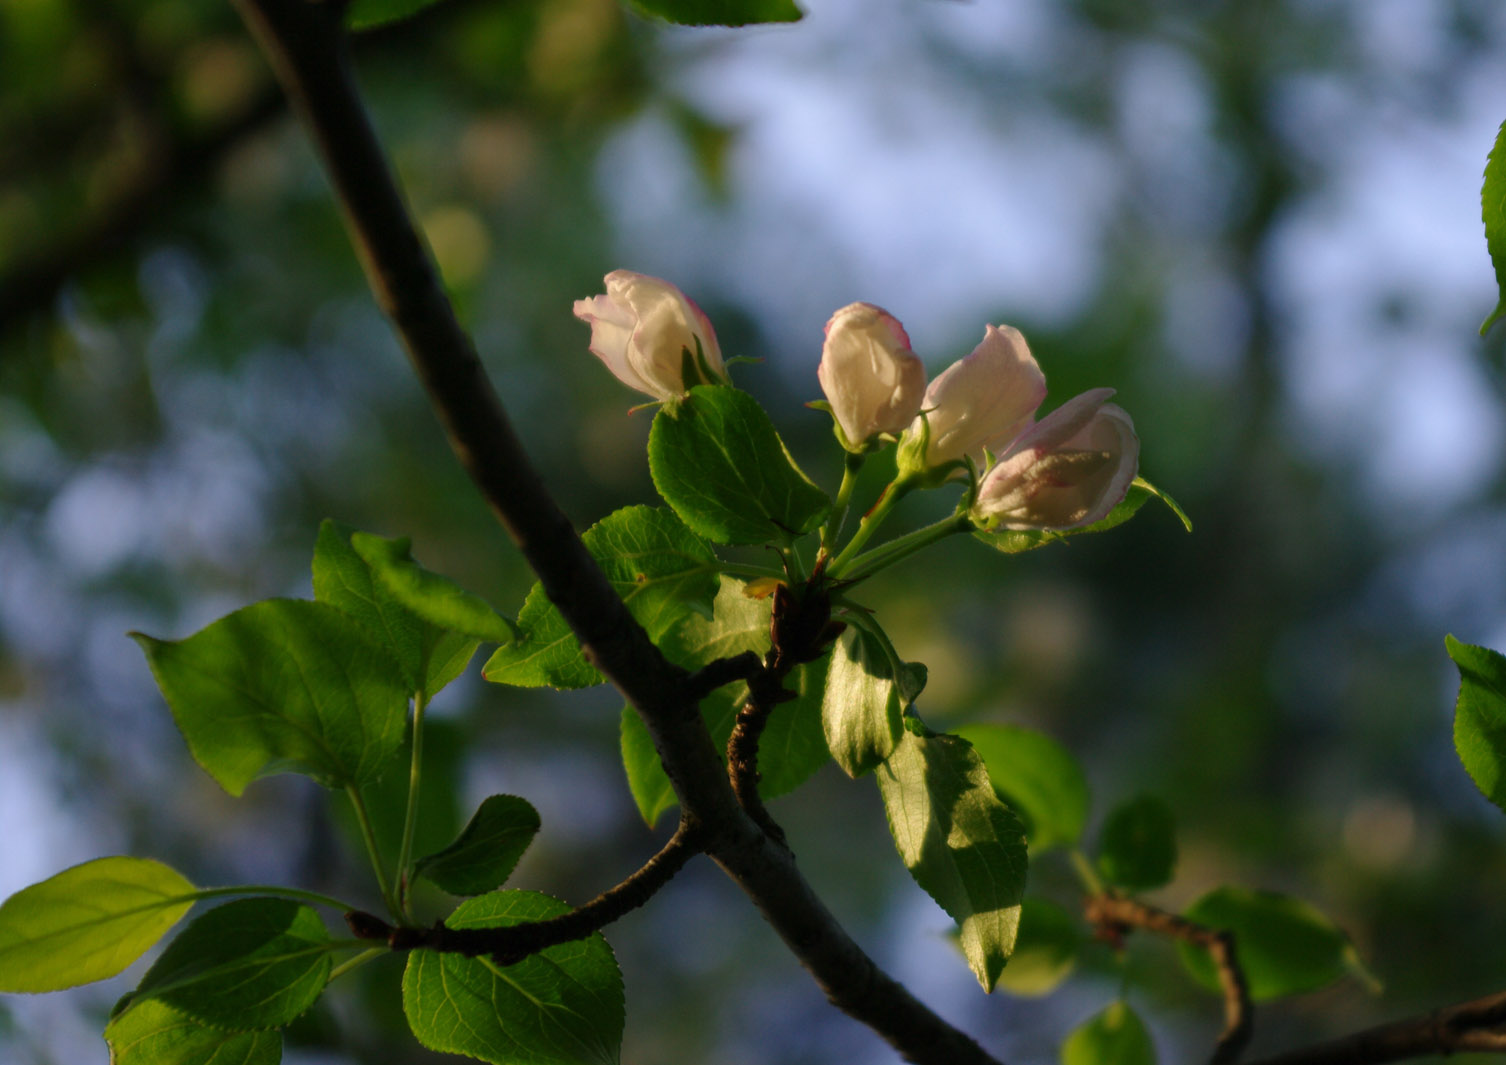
(368, 836)
(355, 963)
(896, 490)
(1091, 883)
(833, 528)
(410, 814)
(901, 547)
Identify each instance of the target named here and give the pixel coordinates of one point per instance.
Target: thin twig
(1114, 914)
(516, 942)
(307, 48)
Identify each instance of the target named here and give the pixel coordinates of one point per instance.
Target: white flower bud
(872, 379)
(982, 401)
(652, 336)
(1068, 470)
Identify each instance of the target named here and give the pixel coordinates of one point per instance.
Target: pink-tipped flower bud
(652, 336)
(1068, 470)
(984, 400)
(871, 378)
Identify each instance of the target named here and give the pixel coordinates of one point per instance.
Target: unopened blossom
(1069, 469)
(871, 378)
(984, 400)
(652, 336)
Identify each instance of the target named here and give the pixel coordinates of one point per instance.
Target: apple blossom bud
(984, 400)
(1069, 469)
(872, 379)
(651, 336)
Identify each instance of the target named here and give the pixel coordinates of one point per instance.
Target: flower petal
(984, 400)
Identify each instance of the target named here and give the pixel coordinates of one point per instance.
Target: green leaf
(1045, 952)
(153, 1033)
(87, 923)
(432, 598)
(1137, 847)
(284, 685)
(792, 746)
(962, 845)
(1285, 946)
(717, 460)
(719, 12)
(1480, 717)
(487, 850)
(366, 14)
(860, 709)
(429, 655)
(563, 1006)
(247, 965)
(663, 572)
(1038, 778)
(1493, 210)
(1116, 1036)
(1141, 491)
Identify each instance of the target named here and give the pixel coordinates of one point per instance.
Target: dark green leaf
(860, 709)
(432, 598)
(1046, 951)
(719, 12)
(1493, 209)
(488, 849)
(1480, 717)
(1284, 945)
(284, 685)
(962, 845)
(88, 922)
(1038, 778)
(563, 1006)
(429, 655)
(1116, 1036)
(792, 746)
(247, 965)
(1137, 848)
(717, 460)
(661, 569)
(1141, 491)
(366, 14)
(153, 1033)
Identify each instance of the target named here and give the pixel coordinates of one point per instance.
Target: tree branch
(306, 46)
(1478, 1025)
(1114, 914)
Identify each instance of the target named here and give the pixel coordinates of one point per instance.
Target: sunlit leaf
(430, 655)
(959, 841)
(716, 459)
(663, 572)
(153, 1033)
(1480, 717)
(283, 685)
(1045, 952)
(563, 1006)
(88, 922)
(860, 708)
(247, 965)
(1039, 779)
(1493, 210)
(435, 599)
(366, 14)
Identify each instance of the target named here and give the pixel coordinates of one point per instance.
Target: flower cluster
(1067, 470)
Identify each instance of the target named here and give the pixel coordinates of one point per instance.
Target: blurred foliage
(192, 376)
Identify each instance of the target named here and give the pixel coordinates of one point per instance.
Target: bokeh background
(1259, 221)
